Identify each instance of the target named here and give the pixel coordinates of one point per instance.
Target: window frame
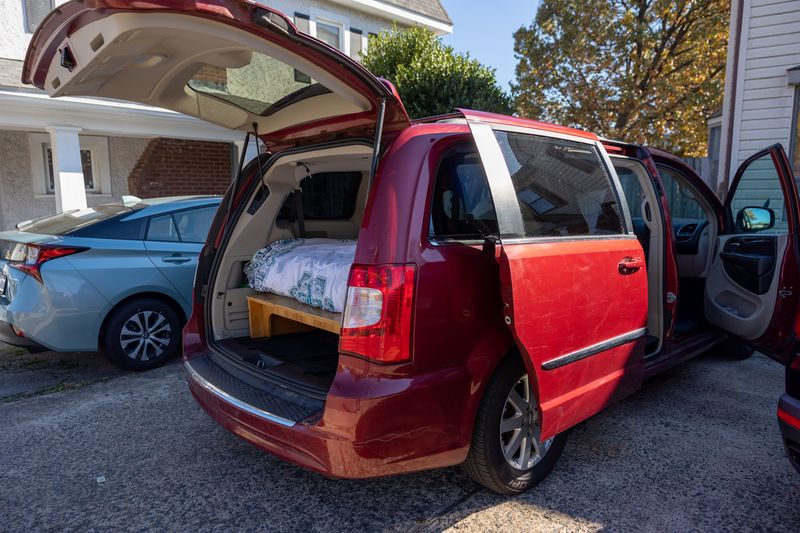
(430, 236)
(93, 160)
(331, 19)
(27, 18)
(616, 186)
(101, 166)
(794, 145)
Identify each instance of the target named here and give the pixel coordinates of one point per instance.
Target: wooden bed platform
(271, 314)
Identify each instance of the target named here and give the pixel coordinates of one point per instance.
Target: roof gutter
(399, 14)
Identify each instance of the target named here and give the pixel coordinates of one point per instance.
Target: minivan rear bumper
(789, 422)
(355, 436)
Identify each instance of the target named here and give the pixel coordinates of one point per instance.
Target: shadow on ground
(696, 449)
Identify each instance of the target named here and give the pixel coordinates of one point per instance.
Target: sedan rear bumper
(8, 336)
(789, 422)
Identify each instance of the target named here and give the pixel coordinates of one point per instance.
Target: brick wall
(176, 167)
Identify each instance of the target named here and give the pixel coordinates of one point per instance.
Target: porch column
(70, 191)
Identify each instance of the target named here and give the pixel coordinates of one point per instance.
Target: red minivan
(510, 279)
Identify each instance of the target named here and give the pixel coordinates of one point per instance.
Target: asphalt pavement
(84, 446)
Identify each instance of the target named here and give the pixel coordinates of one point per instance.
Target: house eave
(398, 14)
(33, 110)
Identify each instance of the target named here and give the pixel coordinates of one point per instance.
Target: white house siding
(772, 46)
(759, 112)
(17, 199)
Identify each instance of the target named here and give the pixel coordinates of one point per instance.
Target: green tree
(649, 71)
(432, 78)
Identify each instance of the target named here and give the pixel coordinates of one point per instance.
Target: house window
(35, 12)
(330, 32)
(95, 165)
(86, 165)
(356, 43)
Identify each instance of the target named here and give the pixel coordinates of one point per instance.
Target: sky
(488, 33)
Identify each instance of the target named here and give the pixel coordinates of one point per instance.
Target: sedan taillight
(378, 315)
(29, 258)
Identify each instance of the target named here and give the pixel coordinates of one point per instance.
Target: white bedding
(312, 271)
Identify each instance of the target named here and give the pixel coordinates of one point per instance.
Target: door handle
(176, 259)
(629, 265)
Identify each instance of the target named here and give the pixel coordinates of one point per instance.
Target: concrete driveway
(85, 446)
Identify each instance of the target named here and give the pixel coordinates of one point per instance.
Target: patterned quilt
(312, 271)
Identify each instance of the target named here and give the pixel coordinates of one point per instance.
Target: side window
(461, 205)
(760, 186)
(326, 196)
(193, 225)
(563, 188)
(162, 228)
(680, 198)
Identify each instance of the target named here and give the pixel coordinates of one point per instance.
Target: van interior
(694, 229)
(334, 184)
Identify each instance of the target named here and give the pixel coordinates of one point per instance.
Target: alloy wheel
(520, 428)
(145, 335)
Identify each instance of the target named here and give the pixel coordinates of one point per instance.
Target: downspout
(722, 188)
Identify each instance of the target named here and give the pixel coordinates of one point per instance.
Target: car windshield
(69, 221)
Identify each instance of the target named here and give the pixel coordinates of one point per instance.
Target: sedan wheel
(142, 334)
(145, 336)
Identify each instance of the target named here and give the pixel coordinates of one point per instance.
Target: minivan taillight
(379, 311)
(29, 258)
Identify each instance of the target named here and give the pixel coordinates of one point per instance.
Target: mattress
(312, 271)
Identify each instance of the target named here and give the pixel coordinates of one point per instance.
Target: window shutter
(35, 12)
(355, 44)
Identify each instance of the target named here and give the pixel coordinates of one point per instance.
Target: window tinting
(71, 221)
(193, 224)
(326, 196)
(461, 206)
(162, 228)
(563, 188)
(680, 197)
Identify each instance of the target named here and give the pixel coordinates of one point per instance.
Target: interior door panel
(751, 286)
(750, 262)
(743, 284)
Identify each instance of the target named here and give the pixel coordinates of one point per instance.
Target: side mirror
(752, 219)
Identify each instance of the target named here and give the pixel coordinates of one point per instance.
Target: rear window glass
(563, 188)
(71, 221)
(263, 86)
(326, 196)
(462, 206)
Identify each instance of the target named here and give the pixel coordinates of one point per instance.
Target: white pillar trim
(70, 192)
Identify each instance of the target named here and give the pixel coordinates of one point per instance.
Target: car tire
(141, 334)
(734, 349)
(492, 461)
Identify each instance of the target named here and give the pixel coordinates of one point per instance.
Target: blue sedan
(116, 278)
